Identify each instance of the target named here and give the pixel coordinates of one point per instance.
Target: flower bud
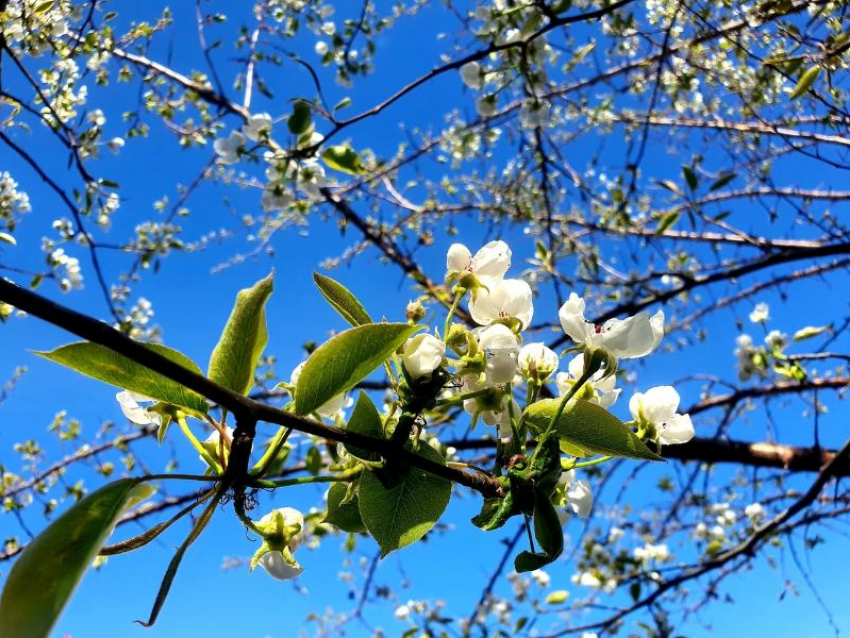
(415, 311)
(422, 355)
(283, 532)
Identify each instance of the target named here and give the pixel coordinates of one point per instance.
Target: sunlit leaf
(103, 364)
(48, 571)
(589, 427)
(340, 363)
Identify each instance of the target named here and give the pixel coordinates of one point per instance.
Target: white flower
(652, 552)
(422, 355)
(760, 313)
(776, 340)
(534, 114)
(129, 402)
(500, 348)
(509, 299)
(229, 148)
(586, 579)
(541, 578)
(658, 407)
(471, 75)
(213, 445)
(604, 392)
(115, 144)
(258, 127)
(286, 529)
(402, 612)
(537, 361)
(574, 494)
(755, 512)
(486, 105)
(329, 409)
(503, 419)
(629, 338)
(489, 264)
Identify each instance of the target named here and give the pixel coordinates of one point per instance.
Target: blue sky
(192, 305)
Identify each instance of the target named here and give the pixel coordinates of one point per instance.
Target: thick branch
(243, 408)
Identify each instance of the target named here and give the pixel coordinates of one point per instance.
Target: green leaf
(365, 420)
(667, 222)
(344, 514)
(722, 181)
(341, 362)
(690, 177)
(590, 427)
(342, 300)
(301, 119)
(529, 561)
(343, 158)
(810, 331)
(547, 525)
(343, 103)
(807, 80)
(6, 238)
(402, 514)
(243, 340)
(50, 568)
(670, 185)
(103, 364)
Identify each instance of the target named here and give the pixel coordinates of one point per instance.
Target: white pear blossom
(213, 445)
(509, 299)
(501, 347)
(776, 340)
(755, 512)
(287, 532)
(537, 361)
(489, 264)
(422, 355)
(329, 409)
(138, 414)
(761, 313)
(258, 127)
(573, 494)
(471, 75)
(658, 407)
(485, 106)
(659, 553)
(629, 338)
(604, 392)
(230, 148)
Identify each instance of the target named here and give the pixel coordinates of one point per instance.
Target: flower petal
(679, 429)
(572, 319)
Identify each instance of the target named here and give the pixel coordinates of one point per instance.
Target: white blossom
(230, 148)
(130, 405)
(422, 355)
(760, 314)
(509, 299)
(629, 338)
(287, 524)
(489, 264)
(500, 346)
(471, 75)
(537, 361)
(604, 392)
(658, 407)
(258, 127)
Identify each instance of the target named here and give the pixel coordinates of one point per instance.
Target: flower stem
(275, 446)
(184, 427)
(306, 480)
(461, 292)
